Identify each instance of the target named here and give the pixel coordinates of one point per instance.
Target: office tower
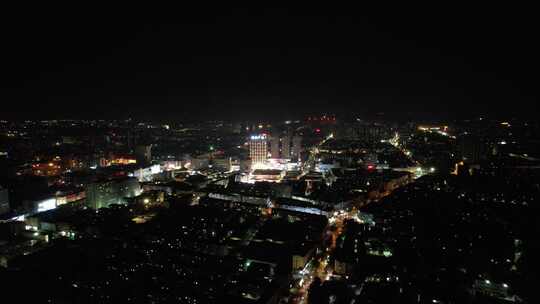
(296, 148)
(143, 153)
(286, 146)
(274, 147)
(258, 150)
(129, 140)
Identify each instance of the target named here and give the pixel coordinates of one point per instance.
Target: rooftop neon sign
(258, 137)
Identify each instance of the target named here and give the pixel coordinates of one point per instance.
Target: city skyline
(306, 155)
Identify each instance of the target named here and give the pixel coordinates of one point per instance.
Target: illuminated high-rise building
(286, 146)
(258, 150)
(296, 148)
(274, 147)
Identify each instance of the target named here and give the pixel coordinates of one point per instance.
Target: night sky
(272, 63)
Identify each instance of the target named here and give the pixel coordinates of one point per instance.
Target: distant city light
(19, 218)
(47, 204)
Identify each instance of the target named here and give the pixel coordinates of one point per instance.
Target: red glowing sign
(317, 130)
(371, 167)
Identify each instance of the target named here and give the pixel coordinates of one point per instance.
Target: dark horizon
(278, 63)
